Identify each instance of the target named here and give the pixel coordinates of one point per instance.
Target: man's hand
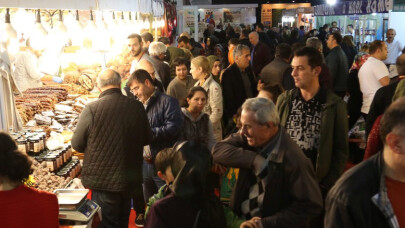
(255, 222)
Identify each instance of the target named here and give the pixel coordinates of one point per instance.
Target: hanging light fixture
(103, 41)
(90, 32)
(61, 27)
(9, 31)
(38, 24)
(138, 23)
(39, 34)
(9, 35)
(130, 24)
(58, 36)
(121, 22)
(112, 24)
(75, 29)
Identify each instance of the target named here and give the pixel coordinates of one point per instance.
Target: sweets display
(50, 115)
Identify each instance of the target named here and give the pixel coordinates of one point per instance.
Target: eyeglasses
(133, 90)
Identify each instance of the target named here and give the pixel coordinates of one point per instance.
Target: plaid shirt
(383, 203)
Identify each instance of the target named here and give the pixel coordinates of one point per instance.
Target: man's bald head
(254, 38)
(148, 66)
(400, 64)
(109, 79)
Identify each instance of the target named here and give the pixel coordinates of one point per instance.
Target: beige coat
(214, 107)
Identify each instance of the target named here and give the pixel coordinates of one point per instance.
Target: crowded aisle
(179, 115)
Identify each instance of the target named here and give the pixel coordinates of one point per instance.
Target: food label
(22, 148)
(50, 165)
(36, 147)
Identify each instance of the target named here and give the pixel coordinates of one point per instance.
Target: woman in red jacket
(22, 206)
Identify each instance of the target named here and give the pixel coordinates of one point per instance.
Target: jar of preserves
(35, 145)
(51, 163)
(22, 145)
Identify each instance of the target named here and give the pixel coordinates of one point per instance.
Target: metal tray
(70, 196)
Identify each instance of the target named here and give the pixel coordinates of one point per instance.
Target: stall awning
(354, 7)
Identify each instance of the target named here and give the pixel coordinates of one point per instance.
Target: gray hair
(239, 49)
(314, 42)
(264, 109)
(156, 48)
(108, 77)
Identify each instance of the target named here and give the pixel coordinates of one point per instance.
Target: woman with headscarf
(215, 65)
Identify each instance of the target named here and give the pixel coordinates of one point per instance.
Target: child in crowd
(164, 171)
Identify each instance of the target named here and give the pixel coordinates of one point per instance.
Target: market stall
(78, 39)
(273, 16)
(368, 18)
(196, 18)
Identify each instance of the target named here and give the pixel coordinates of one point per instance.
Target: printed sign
(353, 7)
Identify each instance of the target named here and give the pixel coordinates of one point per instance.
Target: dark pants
(151, 182)
(138, 202)
(115, 208)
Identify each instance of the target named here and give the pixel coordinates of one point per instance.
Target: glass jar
(35, 145)
(58, 160)
(69, 152)
(64, 155)
(30, 143)
(51, 163)
(22, 145)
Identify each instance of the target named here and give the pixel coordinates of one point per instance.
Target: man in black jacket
(276, 186)
(336, 61)
(372, 193)
(111, 133)
(238, 82)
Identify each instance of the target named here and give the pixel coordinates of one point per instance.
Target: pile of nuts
(47, 181)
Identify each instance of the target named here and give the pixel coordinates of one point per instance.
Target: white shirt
(369, 75)
(394, 50)
(26, 71)
(135, 63)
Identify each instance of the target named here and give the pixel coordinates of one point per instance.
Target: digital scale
(74, 206)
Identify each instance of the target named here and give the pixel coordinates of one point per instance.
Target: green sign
(399, 6)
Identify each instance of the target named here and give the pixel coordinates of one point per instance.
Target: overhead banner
(353, 7)
(399, 6)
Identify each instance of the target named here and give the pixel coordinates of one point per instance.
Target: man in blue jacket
(165, 119)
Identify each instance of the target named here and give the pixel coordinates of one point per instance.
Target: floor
(131, 222)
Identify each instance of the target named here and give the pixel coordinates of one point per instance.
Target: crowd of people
(248, 128)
